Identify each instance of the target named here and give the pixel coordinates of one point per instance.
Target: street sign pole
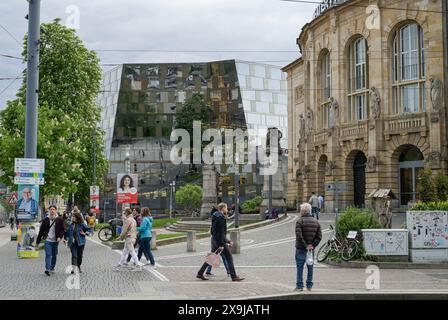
(336, 209)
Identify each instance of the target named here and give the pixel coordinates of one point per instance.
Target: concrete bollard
(235, 238)
(154, 240)
(191, 241)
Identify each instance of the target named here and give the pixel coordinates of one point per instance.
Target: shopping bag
(213, 259)
(310, 258)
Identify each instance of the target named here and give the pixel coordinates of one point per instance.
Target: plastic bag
(310, 258)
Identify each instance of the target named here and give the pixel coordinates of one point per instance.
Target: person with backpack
(91, 220)
(145, 232)
(76, 239)
(52, 232)
(308, 237)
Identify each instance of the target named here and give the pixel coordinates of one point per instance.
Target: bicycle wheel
(105, 234)
(323, 252)
(350, 250)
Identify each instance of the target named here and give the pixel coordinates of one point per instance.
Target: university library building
(368, 101)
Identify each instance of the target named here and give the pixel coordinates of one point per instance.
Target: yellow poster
(26, 240)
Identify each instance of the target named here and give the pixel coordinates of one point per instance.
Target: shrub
(189, 196)
(251, 205)
(441, 185)
(355, 219)
(425, 186)
(430, 206)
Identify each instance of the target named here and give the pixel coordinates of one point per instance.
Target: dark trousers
(77, 252)
(145, 248)
(226, 254)
(137, 241)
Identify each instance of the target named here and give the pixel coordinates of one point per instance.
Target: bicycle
(347, 249)
(108, 232)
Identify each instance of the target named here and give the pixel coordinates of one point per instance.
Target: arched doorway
(359, 179)
(410, 162)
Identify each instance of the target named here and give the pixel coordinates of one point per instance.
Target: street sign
(331, 187)
(12, 200)
(28, 180)
(25, 165)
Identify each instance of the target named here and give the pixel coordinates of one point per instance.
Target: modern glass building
(139, 105)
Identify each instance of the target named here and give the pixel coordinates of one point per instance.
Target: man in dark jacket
(219, 241)
(308, 236)
(52, 231)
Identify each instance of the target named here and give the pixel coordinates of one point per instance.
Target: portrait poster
(28, 203)
(127, 188)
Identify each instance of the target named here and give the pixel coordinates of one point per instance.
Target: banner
(26, 240)
(95, 198)
(127, 188)
(28, 203)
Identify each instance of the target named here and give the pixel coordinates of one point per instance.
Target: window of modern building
(408, 68)
(325, 106)
(358, 81)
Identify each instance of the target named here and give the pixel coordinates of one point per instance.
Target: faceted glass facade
(139, 104)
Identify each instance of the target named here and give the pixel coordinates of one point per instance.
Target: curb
(357, 296)
(180, 239)
(386, 265)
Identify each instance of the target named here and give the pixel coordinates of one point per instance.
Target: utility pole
(32, 79)
(94, 156)
(237, 197)
(270, 194)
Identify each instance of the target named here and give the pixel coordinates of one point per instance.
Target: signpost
(95, 198)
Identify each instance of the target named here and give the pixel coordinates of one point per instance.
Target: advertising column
(29, 175)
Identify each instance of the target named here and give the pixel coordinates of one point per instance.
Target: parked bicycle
(347, 249)
(109, 231)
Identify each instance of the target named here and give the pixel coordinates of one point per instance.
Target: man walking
(314, 202)
(308, 237)
(219, 241)
(52, 231)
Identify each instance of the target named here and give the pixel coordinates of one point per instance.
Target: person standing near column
(52, 231)
(219, 241)
(314, 202)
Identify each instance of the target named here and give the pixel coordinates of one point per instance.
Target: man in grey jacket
(308, 237)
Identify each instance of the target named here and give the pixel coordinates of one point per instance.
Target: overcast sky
(176, 25)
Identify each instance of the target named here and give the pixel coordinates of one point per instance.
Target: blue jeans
(224, 262)
(300, 261)
(51, 252)
(145, 247)
(315, 212)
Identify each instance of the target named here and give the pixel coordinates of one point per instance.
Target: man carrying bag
(220, 242)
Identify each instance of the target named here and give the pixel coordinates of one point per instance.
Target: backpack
(91, 221)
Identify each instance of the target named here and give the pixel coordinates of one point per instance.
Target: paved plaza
(266, 261)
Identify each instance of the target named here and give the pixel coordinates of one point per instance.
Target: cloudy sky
(179, 26)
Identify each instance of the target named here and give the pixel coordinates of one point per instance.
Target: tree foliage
(425, 186)
(69, 82)
(190, 196)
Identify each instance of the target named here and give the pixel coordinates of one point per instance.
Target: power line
(10, 57)
(11, 83)
(10, 34)
(366, 6)
(3, 79)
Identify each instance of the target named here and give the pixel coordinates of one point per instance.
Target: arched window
(358, 81)
(408, 68)
(325, 106)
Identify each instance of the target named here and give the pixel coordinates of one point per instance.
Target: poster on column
(127, 188)
(28, 203)
(26, 240)
(95, 198)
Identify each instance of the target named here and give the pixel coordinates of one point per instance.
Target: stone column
(278, 192)
(208, 190)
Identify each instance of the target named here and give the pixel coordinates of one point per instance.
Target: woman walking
(145, 237)
(76, 236)
(129, 234)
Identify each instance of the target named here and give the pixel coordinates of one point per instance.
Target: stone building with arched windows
(367, 103)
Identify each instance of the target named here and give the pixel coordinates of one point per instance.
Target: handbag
(213, 259)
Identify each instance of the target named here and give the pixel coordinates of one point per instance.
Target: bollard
(235, 238)
(154, 240)
(191, 241)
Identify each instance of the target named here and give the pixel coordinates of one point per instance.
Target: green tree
(69, 82)
(441, 185)
(425, 186)
(189, 196)
(194, 109)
